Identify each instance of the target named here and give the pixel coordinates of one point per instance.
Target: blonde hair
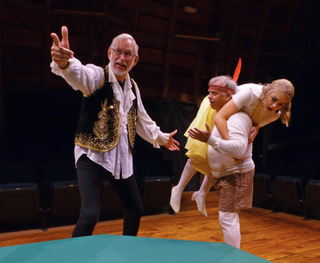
(287, 88)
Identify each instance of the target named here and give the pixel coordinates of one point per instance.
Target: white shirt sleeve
(84, 78)
(239, 126)
(147, 128)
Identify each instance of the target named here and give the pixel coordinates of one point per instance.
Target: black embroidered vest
(99, 124)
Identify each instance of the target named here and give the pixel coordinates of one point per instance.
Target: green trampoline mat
(125, 249)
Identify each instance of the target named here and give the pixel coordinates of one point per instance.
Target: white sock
(229, 222)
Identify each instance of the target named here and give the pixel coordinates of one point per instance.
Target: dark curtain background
(170, 115)
(40, 126)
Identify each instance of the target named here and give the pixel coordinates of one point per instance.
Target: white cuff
(59, 71)
(162, 138)
(214, 141)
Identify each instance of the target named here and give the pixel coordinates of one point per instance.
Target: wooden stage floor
(277, 237)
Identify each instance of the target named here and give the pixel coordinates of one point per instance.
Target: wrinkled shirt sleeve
(147, 128)
(239, 126)
(85, 78)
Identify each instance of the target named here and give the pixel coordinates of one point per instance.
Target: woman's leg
(200, 196)
(90, 176)
(176, 192)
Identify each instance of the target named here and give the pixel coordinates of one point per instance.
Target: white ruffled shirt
(118, 161)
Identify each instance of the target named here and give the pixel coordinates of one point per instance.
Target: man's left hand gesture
(200, 135)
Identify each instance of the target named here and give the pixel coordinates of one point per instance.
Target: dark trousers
(90, 180)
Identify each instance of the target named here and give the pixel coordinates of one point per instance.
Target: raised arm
(222, 116)
(60, 50)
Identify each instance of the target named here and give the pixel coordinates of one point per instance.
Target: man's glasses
(119, 52)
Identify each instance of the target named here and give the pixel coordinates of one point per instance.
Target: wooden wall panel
(22, 46)
(87, 5)
(190, 46)
(148, 55)
(183, 60)
(23, 37)
(151, 40)
(23, 16)
(155, 9)
(155, 25)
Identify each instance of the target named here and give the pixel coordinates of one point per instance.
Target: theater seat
(155, 193)
(262, 191)
(313, 199)
(288, 194)
(65, 199)
(63, 205)
(19, 202)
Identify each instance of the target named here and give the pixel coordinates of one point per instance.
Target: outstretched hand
(60, 50)
(200, 135)
(172, 144)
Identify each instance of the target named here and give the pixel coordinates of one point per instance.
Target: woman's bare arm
(222, 116)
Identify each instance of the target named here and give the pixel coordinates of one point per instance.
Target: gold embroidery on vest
(132, 119)
(132, 125)
(106, 129)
